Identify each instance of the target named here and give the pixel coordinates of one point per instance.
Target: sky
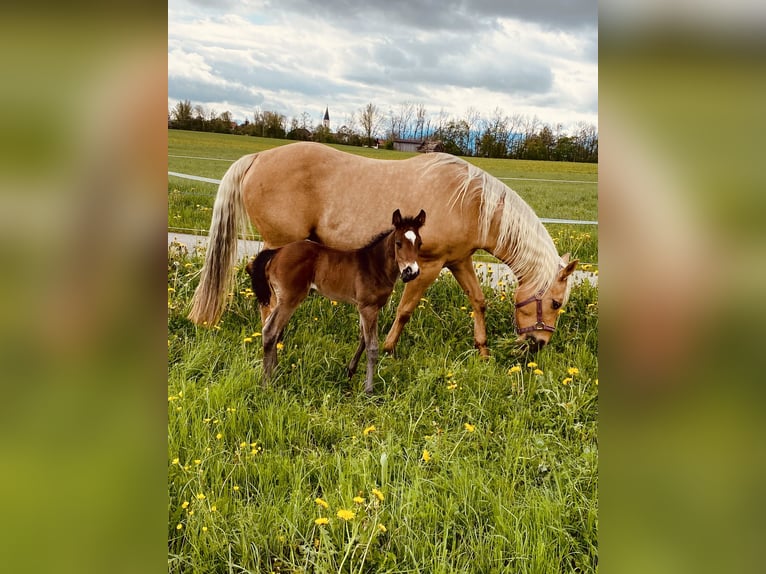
(450, 56)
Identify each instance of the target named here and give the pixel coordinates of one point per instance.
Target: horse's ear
(570, 267)
(421, 218)
(397, 219)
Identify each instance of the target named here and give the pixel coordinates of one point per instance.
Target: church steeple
(326, 120)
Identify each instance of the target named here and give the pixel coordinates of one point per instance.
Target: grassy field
(456, 464)
(190, 203)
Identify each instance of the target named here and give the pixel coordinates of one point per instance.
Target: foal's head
(407, 243)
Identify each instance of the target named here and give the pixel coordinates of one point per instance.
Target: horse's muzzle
(408, 274)
(534, 344)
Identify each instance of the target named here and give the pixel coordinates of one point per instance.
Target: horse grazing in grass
(364, 277)
(312, 191)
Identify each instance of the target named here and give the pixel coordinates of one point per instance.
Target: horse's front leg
(369, 320)
(413, 291)
(466, 276)
(272, 331)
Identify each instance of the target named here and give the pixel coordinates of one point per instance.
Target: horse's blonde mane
(522, 241)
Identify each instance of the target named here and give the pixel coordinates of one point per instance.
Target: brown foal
(364, 277)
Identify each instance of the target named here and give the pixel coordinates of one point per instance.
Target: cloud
(300, 55)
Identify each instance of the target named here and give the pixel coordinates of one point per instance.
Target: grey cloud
(198, 91)
(457, 15)
(439, 66)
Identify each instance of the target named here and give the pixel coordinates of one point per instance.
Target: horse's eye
(398, 243)
(556, 304)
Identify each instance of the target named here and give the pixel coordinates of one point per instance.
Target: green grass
(517, 494)
(190, 203)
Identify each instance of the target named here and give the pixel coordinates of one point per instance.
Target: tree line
(496, 135)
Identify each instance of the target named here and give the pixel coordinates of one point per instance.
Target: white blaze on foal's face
(412, 237)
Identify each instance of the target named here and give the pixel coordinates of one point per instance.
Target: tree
(183, 111)
(369, 119)
(455, 136)
(493, 141)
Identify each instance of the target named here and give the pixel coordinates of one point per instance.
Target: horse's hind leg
(466, 276)
(413, 291)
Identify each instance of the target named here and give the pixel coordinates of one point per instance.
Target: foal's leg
(466, 276)
(413, 291)
(272, 333)
(369, 318)
(360, 349)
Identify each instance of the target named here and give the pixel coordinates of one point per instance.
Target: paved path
(492, 274)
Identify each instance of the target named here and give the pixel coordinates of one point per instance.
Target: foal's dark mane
(406, 222)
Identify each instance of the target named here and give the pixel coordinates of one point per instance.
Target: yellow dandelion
(175, 461)
(322, 521)
(321, 503)
(368, 430)
(426, 456)
(561, 311)
(358, 500)
(378, 494)
(451, 386)
(334, 302)
(204, 529)
(572, 371)
(514, 369)
(243, 444)
(566, 381)
(469, 427)
(537, 372)
(179, 526)
(532, 365)
(346, 514)
(185, 504)
(213, 508)
(382, 528)
(256, 334)
(201, 496)
(219, 436)
(280, 346)
(595, 382)
(235, 487)
(248, 339)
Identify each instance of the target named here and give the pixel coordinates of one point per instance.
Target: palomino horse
(365, 277)
(309, 190)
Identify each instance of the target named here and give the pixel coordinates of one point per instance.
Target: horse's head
(536, 313)
(407, 243)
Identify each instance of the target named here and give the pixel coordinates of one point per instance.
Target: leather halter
(540, 325)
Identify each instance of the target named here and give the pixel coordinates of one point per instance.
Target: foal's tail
(229, 217)
(260, 279)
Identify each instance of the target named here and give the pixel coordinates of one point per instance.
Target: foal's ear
(421, 218)
(397, 219)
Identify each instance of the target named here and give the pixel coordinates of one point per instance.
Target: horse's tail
(260, 279)
(229, 217)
